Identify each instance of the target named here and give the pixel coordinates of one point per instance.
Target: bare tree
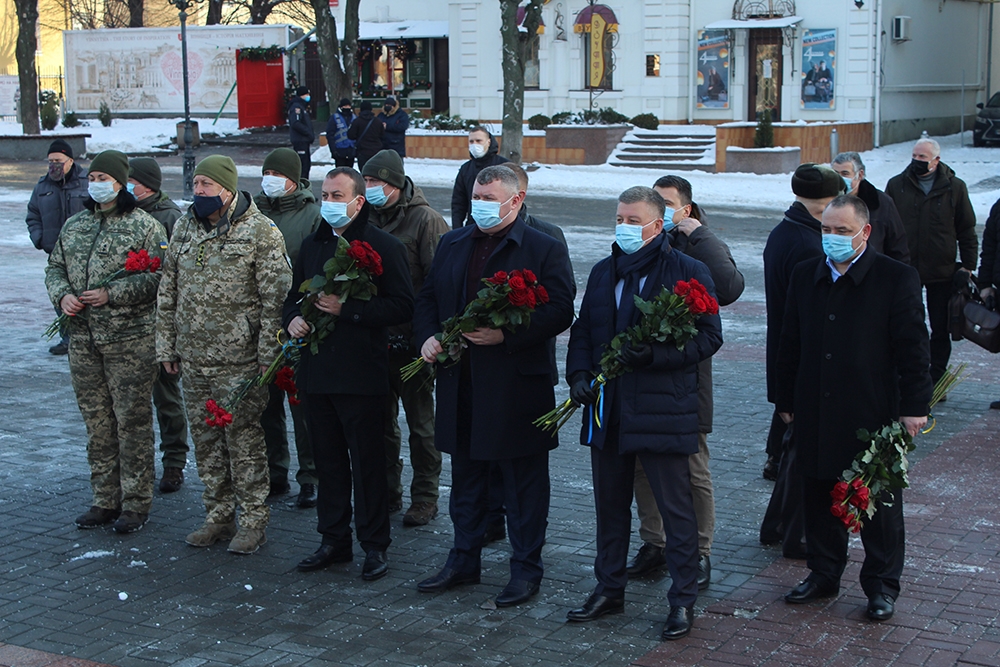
(515, 49)
(135, 11)
(214, 16)
(338, 64)
(27, 44)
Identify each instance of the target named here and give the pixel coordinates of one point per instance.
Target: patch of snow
(92, 554)
(131, 135)
(137, 563)
(123, 596)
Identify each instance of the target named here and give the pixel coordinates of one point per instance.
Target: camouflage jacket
(222, 290)
(91, 247)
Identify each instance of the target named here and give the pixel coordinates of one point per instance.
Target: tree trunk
(514, 48)
(349, 49)
(259, 11)
(214, 16)
(329, 50)
(27, 22)
(135, 10)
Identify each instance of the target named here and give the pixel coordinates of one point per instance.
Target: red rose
(713, 306)
(137, 261)
(838, 511)
(293, 400)
(532, 299)
(517, 283)
(529, 276)
(857, 483)
(154, 266)
(516, 273)
(356, 251)
(518, 297)
(861, 497)
(839, 492)
(855, 525)
(682, 288)
(542, 294)
(498, 278)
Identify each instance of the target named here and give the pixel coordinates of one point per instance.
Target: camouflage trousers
(113, 385)
(232, 463)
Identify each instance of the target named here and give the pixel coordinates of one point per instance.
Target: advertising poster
(819, 58)
(139, 69)
(713, 69)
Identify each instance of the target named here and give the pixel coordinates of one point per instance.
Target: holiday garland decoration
(260, 53)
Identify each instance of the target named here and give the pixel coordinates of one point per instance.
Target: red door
(260, 92)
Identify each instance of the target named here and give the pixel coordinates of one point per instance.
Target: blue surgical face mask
(130, 186)
(840, 248)
(668, 219)
(375, 194)
(487, 213)
(306, 98)
(335, 213)
(273, 186)
(102, 191)
(629, 237)
(206, 206)
(849, 182)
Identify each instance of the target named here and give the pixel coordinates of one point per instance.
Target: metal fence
(48, 79)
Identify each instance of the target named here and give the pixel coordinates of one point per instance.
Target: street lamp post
(183, 6)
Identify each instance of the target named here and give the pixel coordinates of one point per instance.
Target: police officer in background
(144, 182)
(300, 127)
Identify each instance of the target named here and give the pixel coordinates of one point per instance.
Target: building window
(598, 26)
(532, 77)
(653, 65)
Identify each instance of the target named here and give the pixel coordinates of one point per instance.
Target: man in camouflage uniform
(224, 280)
(144, 181)
(111, 354)
(287, 199)
(401, 210)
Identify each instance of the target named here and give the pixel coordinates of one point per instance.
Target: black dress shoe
(704, 572)
(375, 567)
(771, 467)
(595, 607)
(279, 487)
(495, 532)
(447, 579)
(327, 554)
(808, 591)
(649, 558)
(678, 623)
(881, 607)
(995, 405)
(515, 592)
(307, 496)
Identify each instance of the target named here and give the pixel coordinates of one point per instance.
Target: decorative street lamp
(183, 6)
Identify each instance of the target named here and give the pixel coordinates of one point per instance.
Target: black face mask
(57, 171)
(345, 111)
(919, 167)
(387, 108)
(206, 206)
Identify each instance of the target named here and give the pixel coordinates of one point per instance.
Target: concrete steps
(667, 151)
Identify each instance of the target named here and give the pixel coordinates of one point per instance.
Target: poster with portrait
(713, 69)
(819, 61)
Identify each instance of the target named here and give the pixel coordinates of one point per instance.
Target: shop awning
(733, 24)
(369, 30)
(586, 15)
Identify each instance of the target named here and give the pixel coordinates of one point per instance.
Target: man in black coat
(888, 236)
(853, 354)
(483, 149)
(346, 382)
(650, 413)
(795, 239)
(486, 403)
(300, 128)
(366, 131)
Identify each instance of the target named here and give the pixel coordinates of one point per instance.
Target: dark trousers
(937, 312)
(496, 514)
(773, 448)
(784, 520)
(274, 423)
(670, 482)
(882, 536)
(171, 417)
(305, 156)
(346, 433)
(343, 161)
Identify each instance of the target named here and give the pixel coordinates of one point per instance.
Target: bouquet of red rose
(348, 274)
(883, 465)
(507, 301)
(136, 262)
(669, 316)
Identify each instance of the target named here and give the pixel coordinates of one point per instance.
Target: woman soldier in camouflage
(112, 358)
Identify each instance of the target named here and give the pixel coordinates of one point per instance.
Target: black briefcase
(982, 326)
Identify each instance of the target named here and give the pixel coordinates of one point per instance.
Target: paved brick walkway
(149, 599)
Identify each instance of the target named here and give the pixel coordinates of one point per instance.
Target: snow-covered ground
(978, 167)
(131, 135)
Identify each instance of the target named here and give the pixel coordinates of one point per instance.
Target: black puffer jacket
(461, 195)
(939, 225)
(299, 124)
(366, 142)
(888, 236)
(52, 203)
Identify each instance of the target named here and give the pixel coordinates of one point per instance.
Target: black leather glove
(636, 356)
(580, 389)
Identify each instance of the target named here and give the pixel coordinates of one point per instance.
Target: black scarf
(631, 268)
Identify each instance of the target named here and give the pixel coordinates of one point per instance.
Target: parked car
(987, 128)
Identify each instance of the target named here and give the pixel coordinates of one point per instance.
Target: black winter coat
(354, 358)
(936, 223)
(461, 194)
(659, 403)
(711, 251)
(366, 143)
(52, 203)
(989, 260)
(300, 127)
(512, 381)
(395, 131)
(795, 239)
(888, 236)
(854, 354)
